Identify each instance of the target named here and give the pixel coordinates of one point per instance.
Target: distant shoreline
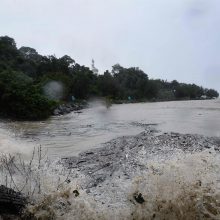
(69, 107)
(158, 100)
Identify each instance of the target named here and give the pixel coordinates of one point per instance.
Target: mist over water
(11, 144)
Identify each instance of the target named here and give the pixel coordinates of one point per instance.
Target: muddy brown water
(73, 133)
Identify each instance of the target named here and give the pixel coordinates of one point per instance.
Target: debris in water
(139, 198)
(76, 193)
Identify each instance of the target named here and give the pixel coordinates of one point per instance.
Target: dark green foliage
(132, 82)
(190, 91)
(21, 99)
(211, 93)
(51, 64)
(84, 82)
(30, 54)
(24, 73)
(9, 55)
(108, 86)
(166, 94)
(31, 61)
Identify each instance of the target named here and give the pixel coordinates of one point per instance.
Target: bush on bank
(21, 99)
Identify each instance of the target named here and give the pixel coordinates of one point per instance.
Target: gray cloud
(167, 39)
(197, 8)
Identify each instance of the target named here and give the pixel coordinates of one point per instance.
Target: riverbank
(157, 100)
(148, 176)
(66, 108)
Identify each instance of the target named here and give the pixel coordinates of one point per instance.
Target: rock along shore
(67, 108)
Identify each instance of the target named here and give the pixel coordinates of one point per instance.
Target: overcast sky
(168, 39)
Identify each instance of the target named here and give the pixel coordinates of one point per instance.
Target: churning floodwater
(70, 134)
(171, 188)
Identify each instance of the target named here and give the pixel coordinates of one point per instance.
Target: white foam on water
(185, 186)
(12, 145)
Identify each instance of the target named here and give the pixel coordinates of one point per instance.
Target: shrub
(21, 99)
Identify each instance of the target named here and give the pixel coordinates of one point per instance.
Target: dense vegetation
(24, 74)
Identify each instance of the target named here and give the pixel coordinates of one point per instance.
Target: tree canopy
(24, 73)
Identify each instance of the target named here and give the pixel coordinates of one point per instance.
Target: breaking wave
(186, 186)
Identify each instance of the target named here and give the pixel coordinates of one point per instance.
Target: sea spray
(185, 186)
(168, 176)
(10, 144)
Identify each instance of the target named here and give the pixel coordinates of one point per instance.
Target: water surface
(70, 134)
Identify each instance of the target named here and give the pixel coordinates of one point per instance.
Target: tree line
(24, 73)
